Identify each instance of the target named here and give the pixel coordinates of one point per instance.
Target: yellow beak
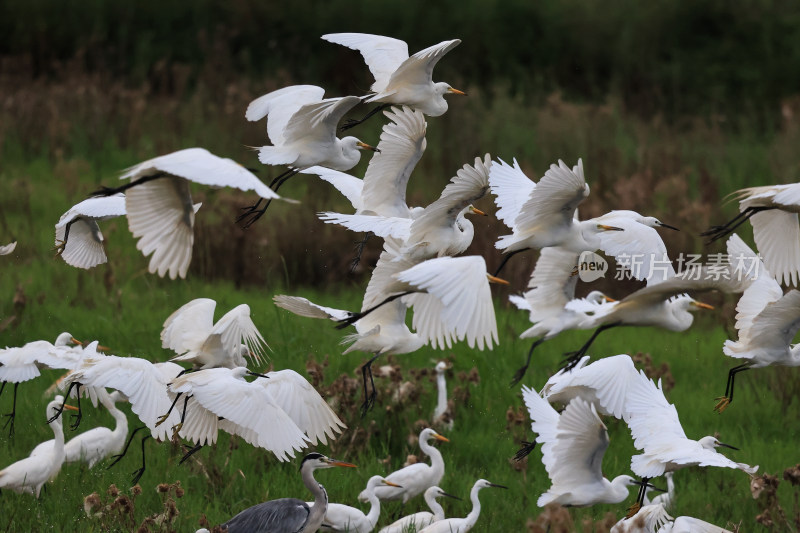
(608, 228)
(392, 484)
(702, 305)
(477, 211)
(456, 91)
(439, 437)
(493, 279)
(365, 146)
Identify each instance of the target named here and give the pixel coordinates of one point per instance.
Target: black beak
(727, 446)
(443, 493)
(257, 374)
(661, 224)
(497, 486)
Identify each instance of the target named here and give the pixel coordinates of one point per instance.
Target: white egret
(654, 519)
(339, 517)
(665, 498)
(462, 525)
(159, 205)
(7, 249)
(28, 475)
(441, 414)
(289, 514)
(772, 211)
(98, 443)
(413, 479)
(766, 321)
(400, 79)
(573, 445)
(79, 241)
(551, 303)
(419, 520)
(190, 331)
(302, 128)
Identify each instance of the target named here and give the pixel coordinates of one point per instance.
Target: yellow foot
(633, 509)
(59, 248)
(161, 419)
(176, 429)
(722, 403)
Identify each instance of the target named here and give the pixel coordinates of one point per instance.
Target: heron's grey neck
(473, 515)
(317, 514)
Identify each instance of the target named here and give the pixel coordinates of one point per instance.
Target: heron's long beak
(385, 482)
(439, 437)
(727, 446)
(71, 407)
(662, 225)
(365, 146)
(497, 486)
(493, 279)
(334, 462)
(603, 227)
(701, 305)
(443, 493)
(477, 211)
(456, 91)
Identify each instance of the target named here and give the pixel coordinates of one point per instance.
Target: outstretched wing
(280, 105)
(188, 326)
(236, 327)
(581, 442)
(554, 200)
(317, 122)
(383, 55)
(511, 188)
(418, 69)
(303, 307)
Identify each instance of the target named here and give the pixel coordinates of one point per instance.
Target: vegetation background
(671, 104)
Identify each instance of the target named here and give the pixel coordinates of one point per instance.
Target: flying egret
(419, 520)
(31, 473)
(665, 305)
(654, 519)
(302, 128)
(339, 517)
(7, 249)
(573, 445)
(159, 205)
(441, 415)
(289, 514)
(98, 443)
(551, 303)
(79, 241)
(190, 331)
(772, 211)
(413, 479)
(462, 525)
(766, 320)
(440, 229)
(400, 79)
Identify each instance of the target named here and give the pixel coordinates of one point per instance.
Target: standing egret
(190, 331)
(441, 414)
(30, 474)
(413, 479)
(573, 445)
(339, 517)
(419, 520)
(302, 128)
(400, 79)
(98, 443)
(772, 211)
(289, 514)
(159, 205)
(462, 525)
(85, 248)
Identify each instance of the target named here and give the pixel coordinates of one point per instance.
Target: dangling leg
(360, 250)
(177, 427)
(137, 474)
(369, 399)
(62, 244)
(253, 213)
(508, 256)
(119, 456)
(163, 417)
(351, 123)
(520, 373)
(724, 401)
(59, 410)
(77, 417)
(718, 232)
(572, 358)
(190, 453)
(633, 509)
(355, 317)
(13, 413)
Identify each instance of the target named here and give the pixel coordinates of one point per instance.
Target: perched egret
(462, 525)
(441, 414)
(413, 479)
(98, 443)
(79, 241)
(419, 520)
(30, 474)
(339, 517)
(400, 79)
(289, 514)
(573, 445)
(302, 128)
(191, 332)
(159, 203)
(772, 210)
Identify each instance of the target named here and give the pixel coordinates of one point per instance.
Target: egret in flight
(85, 248)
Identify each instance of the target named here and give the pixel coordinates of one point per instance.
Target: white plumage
(78, 238)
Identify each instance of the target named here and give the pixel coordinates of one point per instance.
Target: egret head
(65, 339)
(441, 366)
(428, 434)
(444, 89)
(597, 297)
(483, 484)
(653, 222)
(709, 443)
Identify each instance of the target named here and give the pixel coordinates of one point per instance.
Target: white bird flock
(420, 270)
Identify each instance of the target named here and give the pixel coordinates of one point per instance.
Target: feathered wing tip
(8, 248)
(527, 448)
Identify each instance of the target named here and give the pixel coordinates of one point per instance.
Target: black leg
(355, 317)
(190, 453)
(177, 427)
(108, 191)
(572, 358)
(352, 123)
(360, 250)
(13, 413)
(369, 399)
(520, 373)
(253, 213)
(164, 417)
(508, 256)
(137, 474)
(724, 401)
(119, 456)
(718, 232)
(77, 417)
(59, 410)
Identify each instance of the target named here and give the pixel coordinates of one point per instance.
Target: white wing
(646, 520)
(639, 248)
(383, 55)
(777, 236)
(280, 105)
(401, 147)
(544, 422)
(6, 249)
(554, 200)
(552, 283)
(96, 207)
(304, 405)
(399, 228)
(188, 326)
(418, 69)
(458, 303)
(511, 188)
(349, 186)
(84, 249)
(303, 307)
(778, 323)
(687, 524)
(317, 122)
(235, 328)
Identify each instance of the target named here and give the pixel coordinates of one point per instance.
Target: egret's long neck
(473, 515)
(58, 444)
(441, 401)
(435, 507)
(317, 513)
(121, 429)
(374, 506)
(437, 463)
